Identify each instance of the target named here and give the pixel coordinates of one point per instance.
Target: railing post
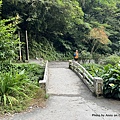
(98, 86)
(83, 73)
(70, 64)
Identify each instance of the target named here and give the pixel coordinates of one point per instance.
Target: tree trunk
(92, 50)
(20, 55)
(27, 50)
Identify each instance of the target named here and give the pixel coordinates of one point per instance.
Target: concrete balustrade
(44, 83)
(95, 84)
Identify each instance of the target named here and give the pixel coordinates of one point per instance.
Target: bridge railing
(44, 83)
(95, 84)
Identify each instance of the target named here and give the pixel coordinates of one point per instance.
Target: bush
(8, 40)
(111, 78)
(112, 59)
(85, 56)
(33, 71)
(13, 87)
(95, 70)
(111, 88)
(97, 57)
(19, 85)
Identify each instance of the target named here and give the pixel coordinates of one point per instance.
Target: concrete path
(70, 99)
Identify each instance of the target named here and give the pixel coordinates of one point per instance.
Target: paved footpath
(70, 99)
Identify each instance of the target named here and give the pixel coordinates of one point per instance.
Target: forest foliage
(57, 27)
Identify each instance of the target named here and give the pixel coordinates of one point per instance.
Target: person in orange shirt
(76, 55)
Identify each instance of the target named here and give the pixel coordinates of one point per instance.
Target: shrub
(97, 57)
(112, 59)
(95, 70)
(33, 71)
(6, 67)
(13, 86)
(85, 56)
(8, 40)
(19, 85)
(111, 88)
(111, 78)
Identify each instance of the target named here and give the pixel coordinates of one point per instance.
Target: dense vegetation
(19, 86)
(110, 74)
(18, 82)
(57, 27)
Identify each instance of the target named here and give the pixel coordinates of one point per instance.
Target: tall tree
(98, 35)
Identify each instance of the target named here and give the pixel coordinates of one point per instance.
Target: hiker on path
(76, 55)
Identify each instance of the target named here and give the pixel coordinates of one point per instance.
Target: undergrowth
(19, 86)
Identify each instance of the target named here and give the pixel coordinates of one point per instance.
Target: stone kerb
(44, 83)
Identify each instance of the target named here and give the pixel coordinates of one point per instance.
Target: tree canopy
(60, 26)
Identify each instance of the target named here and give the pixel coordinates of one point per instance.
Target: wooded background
(58, 27)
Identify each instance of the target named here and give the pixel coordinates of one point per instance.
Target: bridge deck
(62, 81)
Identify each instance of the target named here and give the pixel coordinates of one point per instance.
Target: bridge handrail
(83, 71)
(45, 77)
(95, 84)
